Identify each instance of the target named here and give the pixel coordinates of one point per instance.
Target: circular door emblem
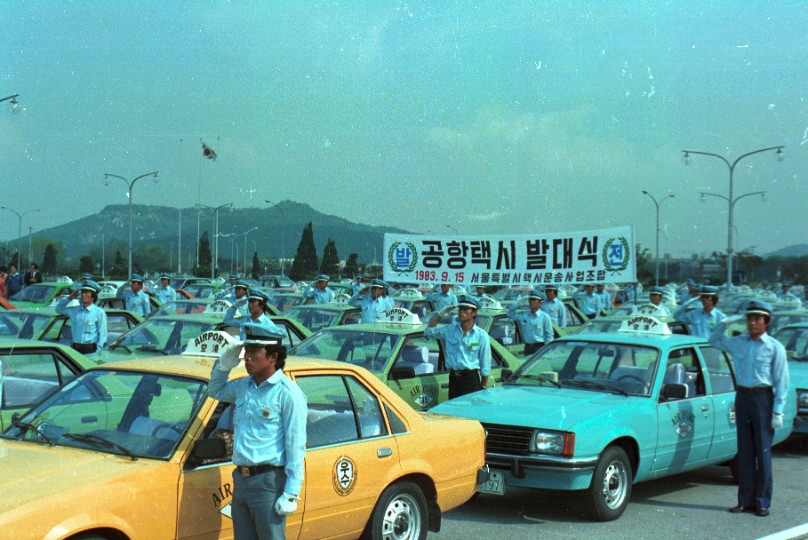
(344, 476)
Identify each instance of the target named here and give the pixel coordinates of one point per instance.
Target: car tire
(610, 490)
(400, 513)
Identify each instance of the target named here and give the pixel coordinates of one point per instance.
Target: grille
(507, 439)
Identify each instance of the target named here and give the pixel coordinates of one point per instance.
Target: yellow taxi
(137, 449)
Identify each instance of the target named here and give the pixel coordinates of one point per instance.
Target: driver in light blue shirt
(256, 304)
(444, 298)
(655, 295)
(88, 322)
(165, 292)
(535, 325)
(588, 302)
(320, 292)
(701, 320)
(136, 299)
(373, 301)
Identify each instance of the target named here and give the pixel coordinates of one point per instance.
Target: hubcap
(615, 484)
(402, 519)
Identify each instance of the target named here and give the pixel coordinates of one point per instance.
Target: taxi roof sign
(645, 324)
(649, 309)
(218, 306)
(400, 316)
(209, 344)
(488, 302)
(409, 293)
(340, 298)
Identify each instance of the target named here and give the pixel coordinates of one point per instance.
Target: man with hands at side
(269, 442)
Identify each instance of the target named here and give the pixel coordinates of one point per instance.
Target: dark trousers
(85, 348)
(530, 348)
(753, 413)
(464, 382)
(253, 506)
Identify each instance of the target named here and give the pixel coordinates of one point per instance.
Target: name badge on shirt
(474, 345)
(266, 412)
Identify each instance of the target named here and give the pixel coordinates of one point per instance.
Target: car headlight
(802, 401)
(556, 443)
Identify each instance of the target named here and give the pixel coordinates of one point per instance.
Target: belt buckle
(245, 471)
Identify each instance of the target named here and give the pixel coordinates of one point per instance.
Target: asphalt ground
(690, 505)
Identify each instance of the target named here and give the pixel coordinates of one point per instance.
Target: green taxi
(47, 325)
(396, 350)
(318, 316)
(30, 370)
(41, 294)
(597, 413)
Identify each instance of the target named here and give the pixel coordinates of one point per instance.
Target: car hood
(34, 472)
(539, 407)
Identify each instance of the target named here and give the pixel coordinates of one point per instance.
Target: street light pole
(14, 103)
(657, 204)
(730, 200)
(130, 186)
(19, 229)
(244, 268)
(215, 260)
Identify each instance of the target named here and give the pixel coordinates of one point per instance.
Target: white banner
(604, 255)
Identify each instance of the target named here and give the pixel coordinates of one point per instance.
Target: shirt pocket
(762, 367)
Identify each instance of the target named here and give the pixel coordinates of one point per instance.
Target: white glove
(777, 420)
(230, 356)
(286, 504)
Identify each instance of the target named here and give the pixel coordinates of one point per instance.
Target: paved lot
(692, 505)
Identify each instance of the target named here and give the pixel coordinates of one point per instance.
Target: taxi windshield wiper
(121, 346)
(542, 378)
(32, 427)
(89, 437)
(594, 386)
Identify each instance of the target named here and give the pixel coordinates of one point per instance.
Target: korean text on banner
(598, 256)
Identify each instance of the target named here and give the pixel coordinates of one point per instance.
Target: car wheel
(610, 490)
(400, 514)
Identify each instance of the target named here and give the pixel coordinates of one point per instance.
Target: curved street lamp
(19, 230)
(245, 233)
(14, 102)
(657, 204)
(730, 199)
(130, 186)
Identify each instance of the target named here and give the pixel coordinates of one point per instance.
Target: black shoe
(762, 512)
(740, 508)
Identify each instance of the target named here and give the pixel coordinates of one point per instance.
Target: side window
(420, 353)
(572, 317)
(718, 370)
(340, 409)
(397, 426)
(28, 377)
(505, 331)
(353, 317)
(690, 374)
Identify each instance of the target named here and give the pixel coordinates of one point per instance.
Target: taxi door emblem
(344, 476)
(684, 429)
(423, 400)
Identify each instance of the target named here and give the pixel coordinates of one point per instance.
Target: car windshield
(593, 366)
(370, 350)
(598, 326)
(201, 291)
(126, 413)
(34, 293)
(781, 320)
(314, 318)
(795, 340)
(22, 325)
(285, 301)
(165, 336)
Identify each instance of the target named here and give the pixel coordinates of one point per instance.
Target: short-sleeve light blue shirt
(557, 311)
(471, 350)
(535, 327)
(372, 310)
(87, 324)
(700, 322)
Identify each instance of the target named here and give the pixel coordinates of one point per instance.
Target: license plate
(495, 484)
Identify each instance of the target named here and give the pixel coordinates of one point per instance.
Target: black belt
(754, 389)
(461, 372)
(85, 347)
(258, 469)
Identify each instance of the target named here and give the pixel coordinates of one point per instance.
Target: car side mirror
(402, 372)
(209, 449)
(674, 391)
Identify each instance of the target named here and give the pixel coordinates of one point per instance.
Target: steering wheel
(629, 377)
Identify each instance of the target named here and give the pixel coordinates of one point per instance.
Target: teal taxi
(596, 413)
(794, 338)
(396, 350)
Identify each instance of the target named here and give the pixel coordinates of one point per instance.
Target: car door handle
(705, 408)
(384, 452)
(446, 385)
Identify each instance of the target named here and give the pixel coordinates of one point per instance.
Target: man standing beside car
(135, 300)
(701, 320)
(554, 307)
(269, 440)
(535, 325)
(761, 371)
(374, 303)
(466, 346)
(88, 322)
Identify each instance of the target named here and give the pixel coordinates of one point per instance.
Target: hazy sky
(487, 117)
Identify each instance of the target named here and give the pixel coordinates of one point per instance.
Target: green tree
(49, 262)
(86, 264)
(120, 267)
(305, 262)
(330, 264)
(643, 256)
(256, 266)
(205, 256)
(352, 265)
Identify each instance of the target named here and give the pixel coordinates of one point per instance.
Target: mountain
(277, 235)
(796, 250)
